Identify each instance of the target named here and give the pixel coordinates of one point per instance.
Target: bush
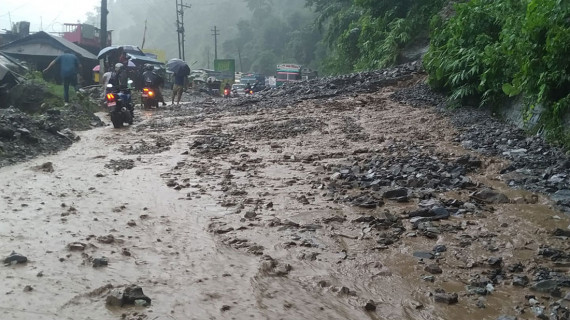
(494, 49)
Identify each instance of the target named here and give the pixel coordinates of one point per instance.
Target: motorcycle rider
(228, 89)
(119, 78)
(248, 88)
(153, 81)
(120, 81)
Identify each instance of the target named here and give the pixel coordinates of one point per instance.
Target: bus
(288, 72)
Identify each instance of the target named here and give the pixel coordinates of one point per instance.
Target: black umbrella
(105, 51)
(175, 65)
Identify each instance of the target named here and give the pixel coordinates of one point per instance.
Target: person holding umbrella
(181, 72)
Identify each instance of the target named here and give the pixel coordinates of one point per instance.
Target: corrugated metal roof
(35, 45)
(145, 59)
(9, 65)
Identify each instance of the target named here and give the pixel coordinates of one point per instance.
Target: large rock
(15, 258)
(490, 196)
(449, 298)
(6, 133)
(134, 295)
(115, 298)
(546, 286)
(396, 193)
(562, 196)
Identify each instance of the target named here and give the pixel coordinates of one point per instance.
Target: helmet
(148, 67)
(118, 66)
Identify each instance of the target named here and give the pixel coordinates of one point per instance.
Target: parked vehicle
(120, 106)
(288, 72)
(252, 78)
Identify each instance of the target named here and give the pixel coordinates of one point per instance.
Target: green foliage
(371, 34)
(277, 32)
(494, 49)
(50, 93)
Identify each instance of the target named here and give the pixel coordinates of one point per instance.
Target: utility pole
(178, 31)
(103, 36)
(208, 57)
(180, 27)
(215, 33)
(239, 56)
(103, 33)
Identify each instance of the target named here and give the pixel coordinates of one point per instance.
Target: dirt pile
(24, 136)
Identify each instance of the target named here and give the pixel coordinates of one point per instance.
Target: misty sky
(45, 15)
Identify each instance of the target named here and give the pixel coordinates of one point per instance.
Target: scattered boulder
(449, 298)
(370, 306)
(490, 196)
(520, 280)
(396, 193)
(134, 295)
(131, 295)
(76, 246)
(100, 262)
(250, 215)
(433, 269)
(546, 286)
(115, 298)
(15, 258)
(439, 248)
(108, 239)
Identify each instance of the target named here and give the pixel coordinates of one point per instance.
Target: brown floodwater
(163, 239)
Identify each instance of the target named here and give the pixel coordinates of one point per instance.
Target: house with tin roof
(39, 49)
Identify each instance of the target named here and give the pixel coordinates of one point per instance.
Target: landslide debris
(24, 136)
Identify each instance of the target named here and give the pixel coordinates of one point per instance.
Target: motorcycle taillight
(110, 97)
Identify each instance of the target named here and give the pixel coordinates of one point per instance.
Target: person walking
(180, 82)
(69, 67)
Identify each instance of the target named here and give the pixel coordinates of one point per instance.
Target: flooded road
(225, 214)
(159, 241)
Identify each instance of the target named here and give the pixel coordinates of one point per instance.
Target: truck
(288, 72)
(252, 78)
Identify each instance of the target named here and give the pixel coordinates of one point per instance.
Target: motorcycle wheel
(147, 104)
(128, 117)
(117, 119)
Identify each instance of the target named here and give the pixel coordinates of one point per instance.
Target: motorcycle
(119, 105)
(149, 98)
(249, 92)
(227, 93)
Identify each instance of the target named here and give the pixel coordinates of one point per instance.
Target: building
(19, 30)
(39, 49)
(86, 36)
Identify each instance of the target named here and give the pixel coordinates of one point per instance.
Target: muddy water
(167, 252)
(178, 220)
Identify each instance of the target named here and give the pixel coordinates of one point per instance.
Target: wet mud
(367, 205)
